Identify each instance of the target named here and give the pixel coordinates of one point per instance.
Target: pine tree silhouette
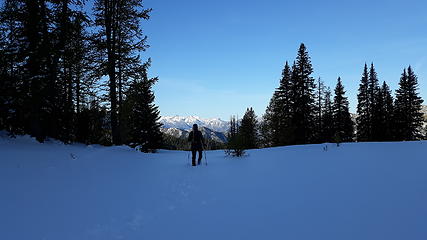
(408, 116)
(303, 98)
(343, 124)
(249, 129)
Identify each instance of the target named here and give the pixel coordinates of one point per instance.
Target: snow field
(355, 191)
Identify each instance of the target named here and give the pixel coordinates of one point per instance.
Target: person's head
(195, 127)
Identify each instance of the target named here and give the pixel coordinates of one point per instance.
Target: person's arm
(190, 137)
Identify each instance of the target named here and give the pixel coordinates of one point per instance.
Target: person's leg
(200, 157)
(193, 157)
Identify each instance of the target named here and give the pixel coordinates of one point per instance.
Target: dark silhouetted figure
(197, 143)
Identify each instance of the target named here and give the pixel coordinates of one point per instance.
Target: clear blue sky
(215, 58)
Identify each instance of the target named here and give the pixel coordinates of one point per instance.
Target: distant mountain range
(212, 128)
(186, 123)
(208, 133)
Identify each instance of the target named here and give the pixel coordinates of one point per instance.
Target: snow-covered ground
(356, 191)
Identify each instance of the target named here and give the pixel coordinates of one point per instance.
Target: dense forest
(303, 110)
(77, 77)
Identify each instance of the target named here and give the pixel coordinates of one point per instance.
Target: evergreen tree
(47, 72)
(319, 110)
(268, 127)
(328, 128)
(375, 105)
(69, 39)
(38, 89)
(368, 108)
(343, 125)
(373, 86)
(235, 146)
(10, 28)
(83, 58)
(291, 116)
(120, 39)
(303, 88)
(233, 130)
(276, 125)
(142, 116)
(408, 116)
(363, 112)
(249, 129)
(40, 57)
(384, 114)
(283, 110)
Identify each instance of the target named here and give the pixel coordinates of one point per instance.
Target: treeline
(303, 110)
(74, 76)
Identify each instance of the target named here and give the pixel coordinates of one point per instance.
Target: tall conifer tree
(368, 107)
(268, 125)
(283, 107)
(38, 89)
(249, 130)
(374, 105)
(69, 53)
(408, 116)
(343, 125)
(385, 126)
(276, 125)
(142, 116)
(327, 130)
(319, 110)
(120, 39)
(303, 98)
(363, 112)
(235, 146)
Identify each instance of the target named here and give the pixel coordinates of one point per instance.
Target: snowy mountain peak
(186, 123)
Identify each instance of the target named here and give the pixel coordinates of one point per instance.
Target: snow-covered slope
(176, 132)
(186, 123)
(355, 191)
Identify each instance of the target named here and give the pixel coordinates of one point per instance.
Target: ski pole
(206, 160)
(188, 158)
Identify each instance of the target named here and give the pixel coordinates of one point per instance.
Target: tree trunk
(111, 67)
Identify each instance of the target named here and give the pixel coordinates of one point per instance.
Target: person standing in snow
(197, 144)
